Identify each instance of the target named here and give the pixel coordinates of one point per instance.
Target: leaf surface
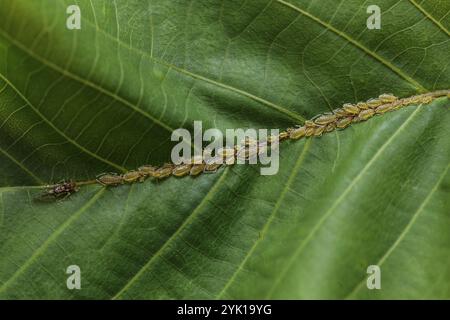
(76, 103)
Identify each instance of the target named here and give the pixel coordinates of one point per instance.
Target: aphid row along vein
(321, 124)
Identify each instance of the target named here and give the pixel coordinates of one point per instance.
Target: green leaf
(76, 103)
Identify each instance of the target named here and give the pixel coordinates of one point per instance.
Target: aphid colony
(338, 119)
(193, 167)
(351, 113)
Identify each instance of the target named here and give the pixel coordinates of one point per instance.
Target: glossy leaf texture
(105, 98)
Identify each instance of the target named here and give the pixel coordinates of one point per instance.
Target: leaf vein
(405, 230)
(341, 34)
(189, 218)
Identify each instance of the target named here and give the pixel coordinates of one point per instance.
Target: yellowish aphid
(385, 108)
(181, 170)
(356, 119)
(283, 135)
(132, 176)
(325, 119)
(414, 100)
(297, 133)
(351, 109)
(309, 131)
(340, 112)
(197, 169)
(330, 127)
(212, 164)
(147, 171)
(387, 97)
(110, 179)
(230, 160)
(344, 122)
(164, 171)
(319, 130)
(373, 103)
(398, 104)
(366, 114)
(310, 123)
(405, 102)
(427, 99)
(362, 105)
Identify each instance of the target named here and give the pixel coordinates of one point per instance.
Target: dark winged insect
(60, 190)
